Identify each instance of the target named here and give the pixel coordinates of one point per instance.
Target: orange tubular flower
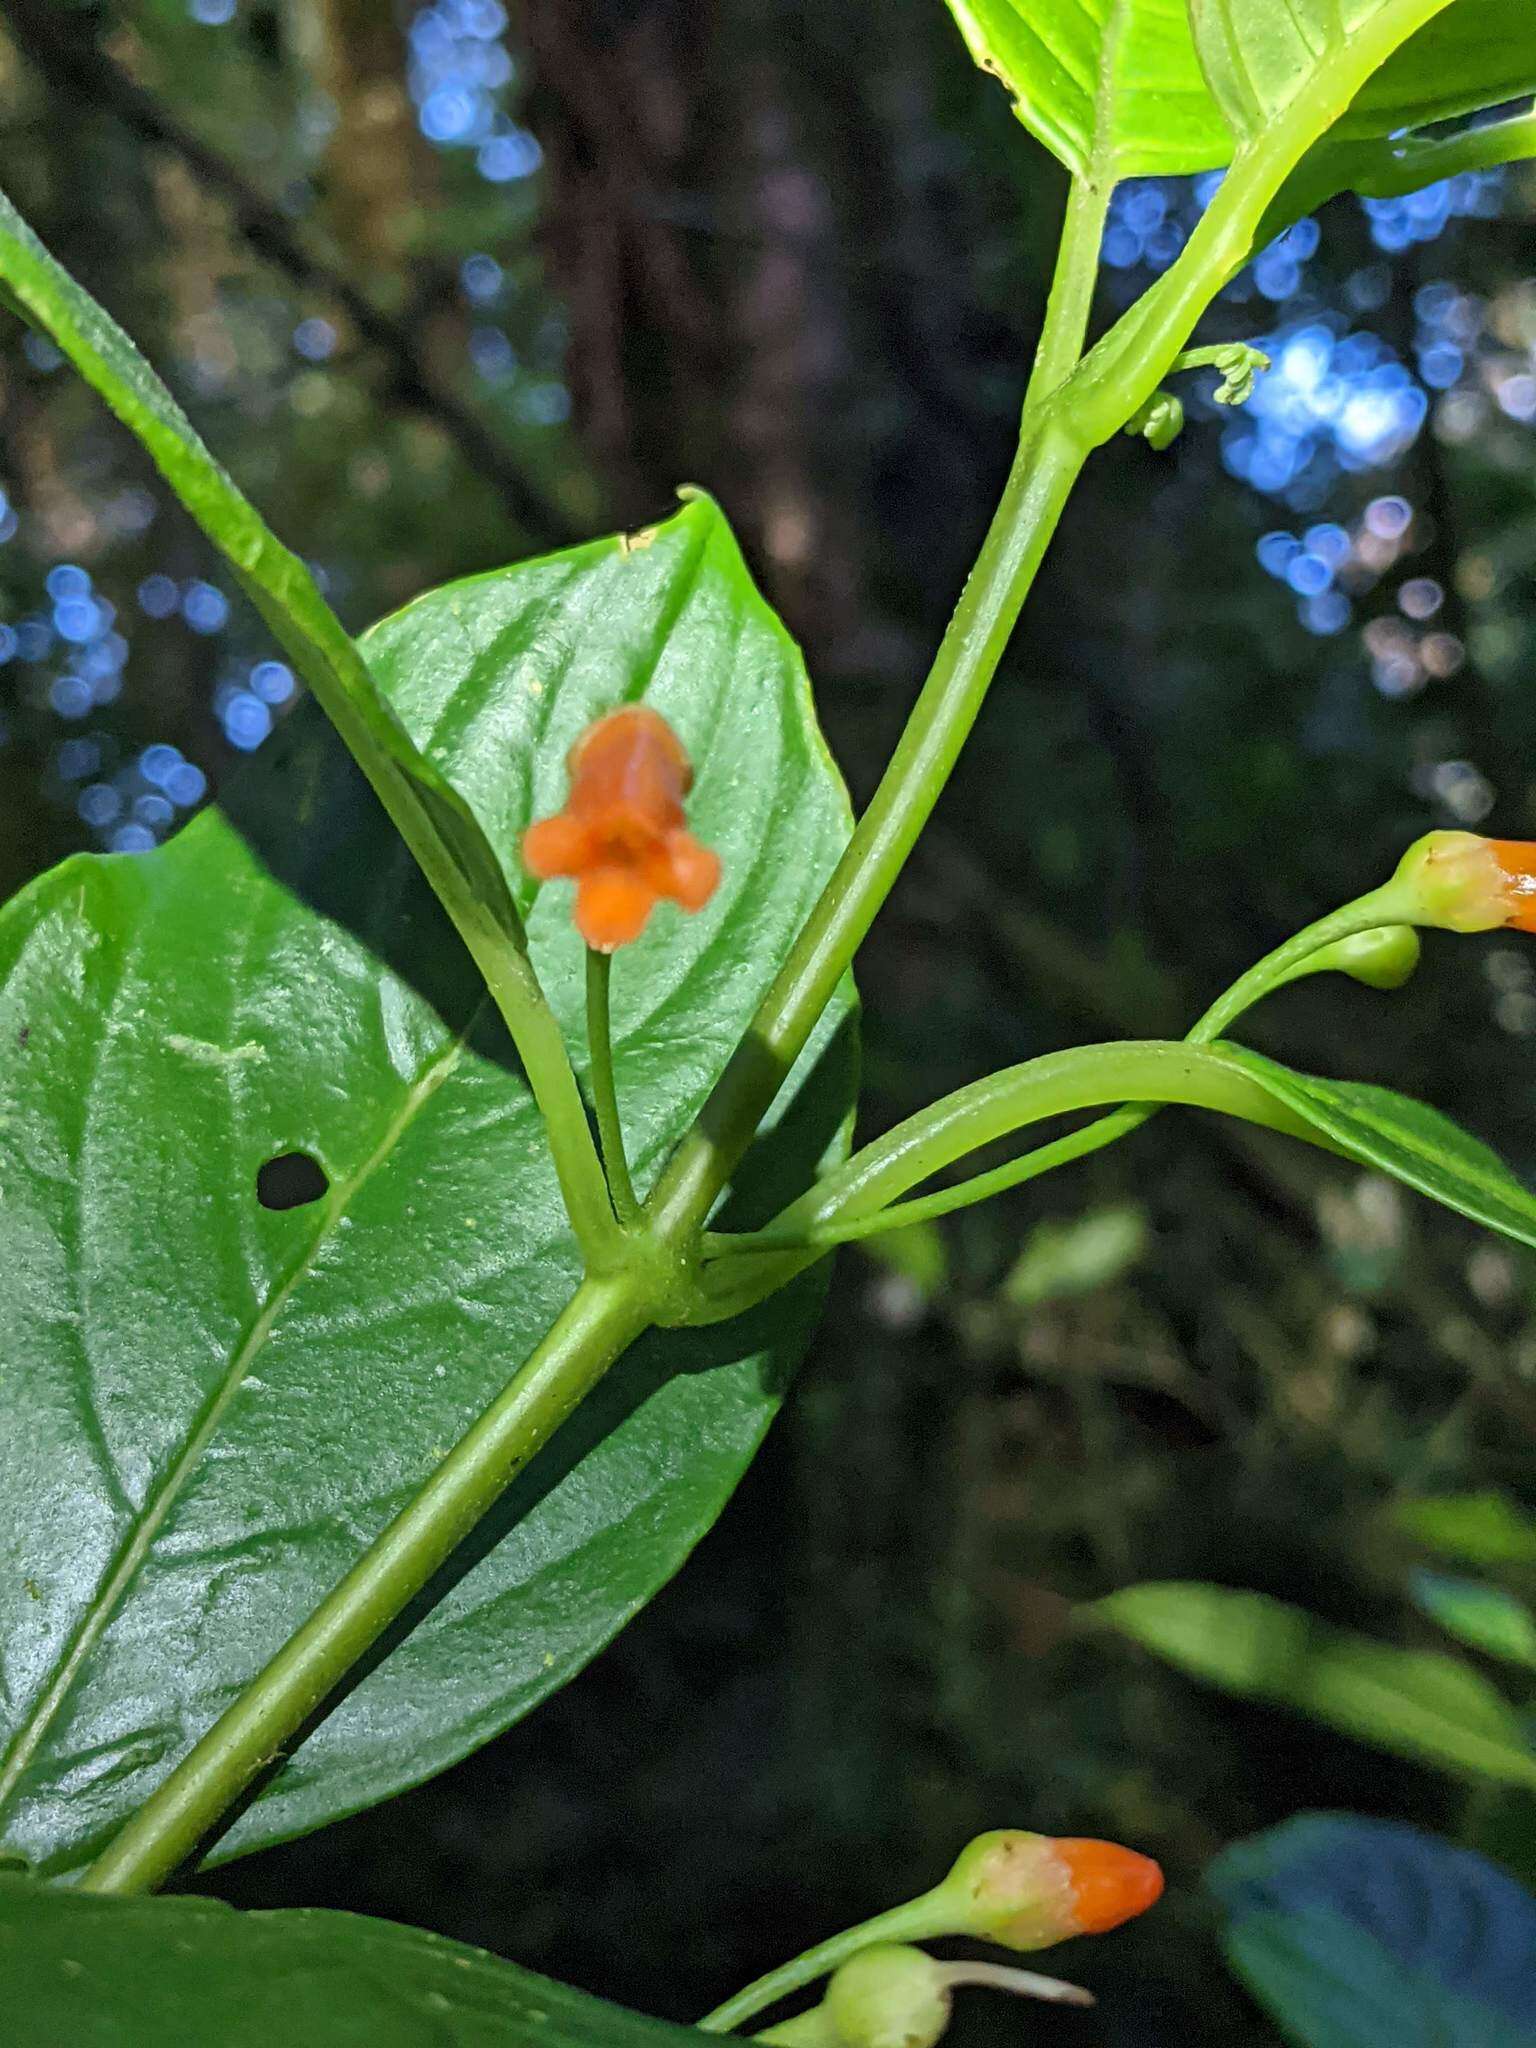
(1027, 1891)
(622, 836)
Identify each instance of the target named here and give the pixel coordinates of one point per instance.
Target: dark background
(445, 288)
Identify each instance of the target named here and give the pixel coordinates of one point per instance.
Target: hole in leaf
(290, 1181)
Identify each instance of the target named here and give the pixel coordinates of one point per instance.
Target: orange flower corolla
(1110, 1884)
(1517, 863)
(622, 836)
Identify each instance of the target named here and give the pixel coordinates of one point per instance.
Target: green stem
(1383, 906)
(602, 1318)
(1084, 1077)
(1104, 1130)
(436, 824)
(920, 1919)
(605, 1095)
(1043, 473)
(1116, 378)
(1071, 301)
(1045, 467)
(1285, 964)
(1126, 367)
(514, 988)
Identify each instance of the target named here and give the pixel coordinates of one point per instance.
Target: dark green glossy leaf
(211, 1407)
(1360, 1933)
(1403, 1138)
(1481, 1615)
(1112, 87)
(189, 1973)
(1413, 1702)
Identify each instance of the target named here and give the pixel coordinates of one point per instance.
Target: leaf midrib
(32, 1732)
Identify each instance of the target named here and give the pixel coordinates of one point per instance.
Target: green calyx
(1452, 881)
(890, 1996)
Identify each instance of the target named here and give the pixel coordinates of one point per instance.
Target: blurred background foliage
(445, 287)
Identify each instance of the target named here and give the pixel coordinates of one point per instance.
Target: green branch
(602, 1319)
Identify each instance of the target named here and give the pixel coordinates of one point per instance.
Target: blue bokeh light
(205, 609)
(247, 721)
(272, 681)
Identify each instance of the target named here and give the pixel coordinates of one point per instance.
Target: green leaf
(1473, 55)
(1403, 1138)
(209, 1408)
(1414, 1703)
(1489, 1619)
(1360, 1933)
(1112, 87)
(1479, 1528)
(93, 1972)
(1259, 56)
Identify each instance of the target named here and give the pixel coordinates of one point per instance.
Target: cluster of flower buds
(1021, 1890)
(894, 1996)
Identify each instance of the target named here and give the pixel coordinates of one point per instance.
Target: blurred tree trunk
(378, 172)
(694, 237)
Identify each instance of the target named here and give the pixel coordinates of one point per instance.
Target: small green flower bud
(1159, 422)
(889, 1997)
(1384, 958)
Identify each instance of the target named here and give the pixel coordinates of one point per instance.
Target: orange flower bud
(1111, 1885)
(1461, 882)
(1027, 1891)
(622, 835)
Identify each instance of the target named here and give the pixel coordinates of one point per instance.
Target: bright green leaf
(1412, 1702)
(1479, 1528)
(1359, 1933)
(208, 1407)
(92, 1972)
(1489, 1619)
(1403, 1138)
(1472, 55)
(1260, 56)
(1112, 87)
